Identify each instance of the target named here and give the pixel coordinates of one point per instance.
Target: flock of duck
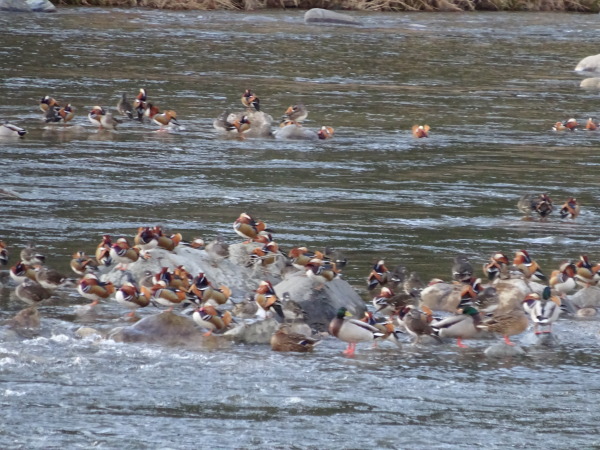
(251, 122)
(512, 296)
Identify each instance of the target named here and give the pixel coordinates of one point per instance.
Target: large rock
(320, 303)
(167, 328)
(319, 15)
(588, 297)
(589, 64)
(27, 6)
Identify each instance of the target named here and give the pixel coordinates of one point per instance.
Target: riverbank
(590, 6)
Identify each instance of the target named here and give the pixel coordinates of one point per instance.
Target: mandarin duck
(497, 268)
(591, 125)
(21, 272)
(146, 238)
(66, 114)
(385, 326)
(529, 302)
(417, 322)
(352, 331)
(163, 295)
(49, 106)
(301, 256)
(123, 253)
(204, 291)
(267, 300)
(285, 340)
(167, 242)
(93, 289)
(10, 130)
(95, 116)
(130, 296)
(528, 267)
(31, 292)
(212, 320)
(570, 209)
(265, 255)
(540, 204)
(150, 111)
(568, 125)
(246, 227)
(460, 326)
(507, 324)
(420, 131)
(378, 276)
(125, 107)
(321, 271)
(250, 101)
(165, 119)
(387, 301)
(587, 274)
(295, 114)
(103, 251)
(3, 254)
(139, 104)
(545, 311)
(564, 279)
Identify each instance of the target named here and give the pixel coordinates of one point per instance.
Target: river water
(490, 86)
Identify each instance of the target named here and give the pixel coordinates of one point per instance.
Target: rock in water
(502, 350)
(589, 64)
(319, 15)
(257, 332)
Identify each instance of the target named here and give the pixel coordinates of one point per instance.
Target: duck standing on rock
(497, 268)
(213, 321)
(507, 324)
(267, 300)
(528, 267)
(246, 227)
(352, 331)
(460, 326)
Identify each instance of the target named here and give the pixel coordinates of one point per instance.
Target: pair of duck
(572, 124)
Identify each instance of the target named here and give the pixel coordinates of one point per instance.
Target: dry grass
(355, 5)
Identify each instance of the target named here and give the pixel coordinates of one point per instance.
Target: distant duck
(31, 292)
(139, 104)
(165, 119)
(545, 311)
(294, 131)
(3, 254)
(10, 130)
(591, 125)
(108, 121)
(250, 101)
(217, 250)
(146, 239)
(497, 268)
(528, 267)
(285, 340)
(564, 279)
(540, 204)
(568, 125)
(130, 296)
(570, 209)
(103, 251)
(352, 331)
(420, 131)
(212, 320)
(125, 107)
(295, 114)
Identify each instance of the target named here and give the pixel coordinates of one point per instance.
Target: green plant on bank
(592, 6)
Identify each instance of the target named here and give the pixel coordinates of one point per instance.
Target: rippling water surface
(490, 85)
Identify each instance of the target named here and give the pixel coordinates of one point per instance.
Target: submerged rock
(41, 5)
(26, 318)
(503, 350)
(589, 64)
(319, 15)
(590, 83)
(257, 332)
(27, 6)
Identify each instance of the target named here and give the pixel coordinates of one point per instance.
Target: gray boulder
(589, 64)
(588, 297)
(41, 6)
(502, 350)
(319, 15)
(14, 6)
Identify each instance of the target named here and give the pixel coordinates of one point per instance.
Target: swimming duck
(150, 111)
(540, 204)
(460, 326)
(293, 131)
(125, 107)
(564, 279)
(139, 104)
(545, 311)
(82, 263)
(3, 254)
(66, 114)
(92, 288)
(31, 256)
(31, 292)
(165, 119)
(95, 116)
(570, 209)
(130, 296)
(462, 270)
(295, 114)
(568, 125)
(285, 340)
(507, 324)
(591, 125)
(209, 318)
(250, 101)
(352, 331)
(10, 130)
(528, 267)
(420, 131)
(21, 272)
(246, 227)
(267, 300)
(417, 322)
(49, 107)
(497, 268)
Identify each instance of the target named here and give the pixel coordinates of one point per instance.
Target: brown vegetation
(354, 5)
